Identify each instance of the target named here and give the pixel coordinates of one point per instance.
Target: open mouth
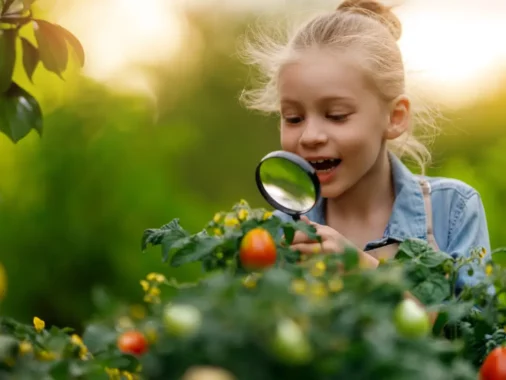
(325, 165)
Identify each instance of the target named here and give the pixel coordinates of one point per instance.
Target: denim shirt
(458, 216)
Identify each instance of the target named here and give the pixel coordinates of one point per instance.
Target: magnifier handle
(296, 217)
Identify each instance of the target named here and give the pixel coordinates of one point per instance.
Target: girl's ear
(399, 117)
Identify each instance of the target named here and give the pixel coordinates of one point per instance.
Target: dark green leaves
(291, 227)
(7, 57)
(194, 249)
(31, 57)
(19, 113)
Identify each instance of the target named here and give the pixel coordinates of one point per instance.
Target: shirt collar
(408, 219)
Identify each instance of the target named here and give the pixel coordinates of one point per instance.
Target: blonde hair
(367, 27)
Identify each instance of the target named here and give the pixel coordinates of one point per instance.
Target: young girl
(339, 87)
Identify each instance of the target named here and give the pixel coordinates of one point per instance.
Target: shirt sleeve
(468, 232)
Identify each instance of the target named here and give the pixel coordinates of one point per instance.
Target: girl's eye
(338, 117)
(293, 120)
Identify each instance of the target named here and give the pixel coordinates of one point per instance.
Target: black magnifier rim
(298, 160)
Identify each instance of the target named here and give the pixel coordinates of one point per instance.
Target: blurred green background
(74, 203)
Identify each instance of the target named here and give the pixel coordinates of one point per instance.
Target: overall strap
(426, 190)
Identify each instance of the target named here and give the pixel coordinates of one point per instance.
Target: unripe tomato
(411, 320)
(494, 366)
(290, 343)
(181, 320)
(258, 250)
(133, 342)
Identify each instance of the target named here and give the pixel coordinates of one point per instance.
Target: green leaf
(19, 113)
(7, 57)
(432, 259)
(434, 290)
(97, 338)
(31, 57)
(74, 43)
(195, 249)
(287, 254)
(155, 236)
(52, 46)
(289, 229)
(415, 248)
(350, 258)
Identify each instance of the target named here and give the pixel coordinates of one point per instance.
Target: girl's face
(332, 117)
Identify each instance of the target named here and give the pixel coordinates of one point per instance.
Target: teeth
(325, 171)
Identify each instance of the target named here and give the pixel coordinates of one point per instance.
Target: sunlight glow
(455, 52)
(118, 34)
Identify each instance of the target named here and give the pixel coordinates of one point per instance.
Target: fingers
(308, 248)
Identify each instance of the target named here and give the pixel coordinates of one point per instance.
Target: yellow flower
(217, 232)
(127, 375)
(299, 286)
(76, 339)
(113, 373)
(242, 214)
(335, 285)
(231, 221)
(318, 269)
(318, 290)
(267, 215)
(489, 269)
(156, 277)
(243, 203)
(317, 249)
(217, 217)
(39, 324)
(483, 253)
(155, 292)
(83, 352)
(46, 355)
(25, 348)
(145, 285)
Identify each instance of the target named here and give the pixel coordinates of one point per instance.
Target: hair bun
(376, 10)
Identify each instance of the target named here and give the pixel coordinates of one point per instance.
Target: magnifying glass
(288, 183)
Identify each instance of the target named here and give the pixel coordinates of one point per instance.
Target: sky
(453, 47)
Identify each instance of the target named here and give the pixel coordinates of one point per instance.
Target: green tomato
(290, 344)
(181, 320)
(448, 266)
(411, 320)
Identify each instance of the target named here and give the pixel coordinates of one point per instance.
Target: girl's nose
(313, 134)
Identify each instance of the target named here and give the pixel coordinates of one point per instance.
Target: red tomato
(494, 366)
(133, 342)
(258, 250)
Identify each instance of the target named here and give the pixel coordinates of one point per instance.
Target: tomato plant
(133, 342)
(494, 366)
(258, 250)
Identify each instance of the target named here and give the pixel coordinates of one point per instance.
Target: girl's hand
(332, 242)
